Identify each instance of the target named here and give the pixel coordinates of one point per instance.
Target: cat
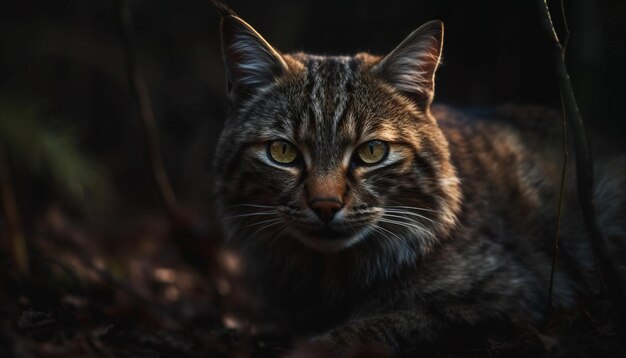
(368, 215)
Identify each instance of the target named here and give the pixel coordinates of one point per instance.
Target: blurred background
(81, 210)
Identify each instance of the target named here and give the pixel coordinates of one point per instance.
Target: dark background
(72, 138)
(67, 59)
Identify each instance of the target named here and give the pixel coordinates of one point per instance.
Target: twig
(146, 113)
(17, 240)
(555, 254)
(565, 38)
(608, 268)
(559, 208)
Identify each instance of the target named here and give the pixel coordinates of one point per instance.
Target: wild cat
(368, 216)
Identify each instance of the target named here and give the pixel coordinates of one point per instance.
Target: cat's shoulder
(523, 118)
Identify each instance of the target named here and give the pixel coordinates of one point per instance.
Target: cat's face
(331, 151)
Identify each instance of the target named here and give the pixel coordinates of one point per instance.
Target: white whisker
(262, 222)
(394, 242)
(274, 222)
(391, 213)
(412, 208)
(283, 231)
(408, 225)
(255, 206)
(249, 215)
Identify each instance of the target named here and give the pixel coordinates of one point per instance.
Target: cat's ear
(251, 62)
(411, 66)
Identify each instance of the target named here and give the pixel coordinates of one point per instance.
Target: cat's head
(334, 152)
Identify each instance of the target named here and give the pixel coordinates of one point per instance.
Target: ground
(139, 292)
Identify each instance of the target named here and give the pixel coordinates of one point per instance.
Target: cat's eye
(282, 152)
(372, 152)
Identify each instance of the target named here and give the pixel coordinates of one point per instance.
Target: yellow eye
(373, 151)
(282, 152)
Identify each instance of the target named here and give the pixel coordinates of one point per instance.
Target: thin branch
(565, 39)
(559, 207)
(608, 268)
(146, 113)
(17, 240)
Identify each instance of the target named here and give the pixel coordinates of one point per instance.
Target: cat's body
(443, 220)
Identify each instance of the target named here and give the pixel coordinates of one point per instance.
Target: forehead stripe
(315, 79)
(341, 95)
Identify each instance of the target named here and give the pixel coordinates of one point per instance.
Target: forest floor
(140, 293)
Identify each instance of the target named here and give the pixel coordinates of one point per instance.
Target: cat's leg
(393, 332)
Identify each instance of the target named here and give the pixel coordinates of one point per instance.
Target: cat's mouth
(327, 239)
(327, 233)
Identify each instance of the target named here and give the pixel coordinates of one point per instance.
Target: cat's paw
(319, 348)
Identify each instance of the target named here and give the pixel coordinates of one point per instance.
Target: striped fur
(453, 228)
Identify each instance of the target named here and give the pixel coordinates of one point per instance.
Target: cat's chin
(329, 243)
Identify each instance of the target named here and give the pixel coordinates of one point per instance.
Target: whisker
(394, 242)
(249, 215)
(412, 208)
(392, 213)
(407, 225)
(283, 231)
(401, 239)
(261, 222)
(254, 206)
(274, 222)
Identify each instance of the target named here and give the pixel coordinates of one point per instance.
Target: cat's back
(519, 142)
(508, 158)
(535, 127)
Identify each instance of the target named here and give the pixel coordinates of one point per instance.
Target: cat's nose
(326, 208)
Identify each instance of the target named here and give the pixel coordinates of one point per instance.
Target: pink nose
(326, 208)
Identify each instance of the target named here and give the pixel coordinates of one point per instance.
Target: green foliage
(40, 151)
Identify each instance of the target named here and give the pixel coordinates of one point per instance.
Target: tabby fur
(453, 229)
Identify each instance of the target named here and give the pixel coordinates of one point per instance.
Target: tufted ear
(251, 62)
(411, 66)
